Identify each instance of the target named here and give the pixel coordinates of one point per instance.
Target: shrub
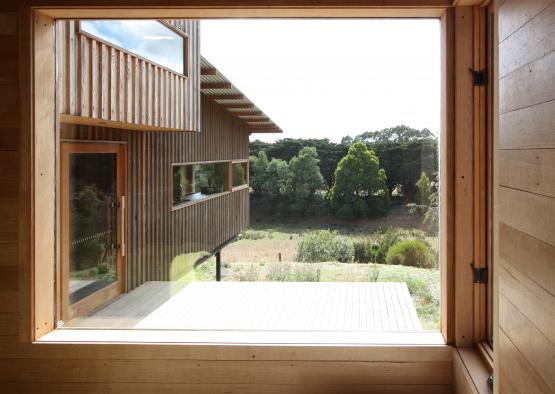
(366, 251)
(391, 237)
(306, 273)
(278, 272)
(253, 235)
(374, 273)
(412, 252)
(324, 245)
(102, 268)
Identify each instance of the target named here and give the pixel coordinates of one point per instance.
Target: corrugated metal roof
(218, 88)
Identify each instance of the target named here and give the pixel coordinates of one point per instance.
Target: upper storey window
(150, 39)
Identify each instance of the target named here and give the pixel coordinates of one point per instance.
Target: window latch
(480, 275)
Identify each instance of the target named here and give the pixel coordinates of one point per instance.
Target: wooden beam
(360, 9)
(447, 175)
(464, 176)
(469, 3)
(87, 121)
(233, 106)
(208, 71)
(253, 119)
(248, 113)
(215, 85)
(225, 96)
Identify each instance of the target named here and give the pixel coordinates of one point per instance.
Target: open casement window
(484, 270)
(490, 29)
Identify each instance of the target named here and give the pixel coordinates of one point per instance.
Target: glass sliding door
(93, 226)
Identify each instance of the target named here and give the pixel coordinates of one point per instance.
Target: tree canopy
(400, 134)
(304, 179)
(287, 188)
(403, 152)
(360, 187)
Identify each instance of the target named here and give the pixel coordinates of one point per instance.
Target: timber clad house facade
(173, 130)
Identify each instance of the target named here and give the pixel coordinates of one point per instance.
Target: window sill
(74, 335)
(237, 188)
(485, 350)
(470, 372)
(200, 200)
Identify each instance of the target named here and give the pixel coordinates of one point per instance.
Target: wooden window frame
(485, 310)
(186, 204)
(248, 182)
(41, 124)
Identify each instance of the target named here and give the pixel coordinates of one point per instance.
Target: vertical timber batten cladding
(162, 242)
(525, 203)
(100, 83)
(106, 93)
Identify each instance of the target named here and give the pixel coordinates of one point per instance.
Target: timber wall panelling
(525, 207)
(26, 367)
(105, 85)
(162, 242)
(9, 171)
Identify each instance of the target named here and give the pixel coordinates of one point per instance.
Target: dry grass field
(256, 257)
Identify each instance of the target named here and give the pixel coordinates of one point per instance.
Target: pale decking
(296, 306)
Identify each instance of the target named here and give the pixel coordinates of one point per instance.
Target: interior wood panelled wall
(54, 368)
(9, 171)
(157, 235)
(525, 205)
(99, 81)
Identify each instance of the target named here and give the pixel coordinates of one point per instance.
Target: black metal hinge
(479, 77)
(480, 274)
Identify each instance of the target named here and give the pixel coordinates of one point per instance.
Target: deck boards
(296, 306)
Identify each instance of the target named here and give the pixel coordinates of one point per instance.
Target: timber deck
(287, 306)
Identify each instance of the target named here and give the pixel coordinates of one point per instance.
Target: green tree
(424, 189)
(329, 153)
(259, 166)
(400, 134)
(275, 179)
(427, 203)
(360, 185)
(268, 181)
(431, 217)
(304, 180)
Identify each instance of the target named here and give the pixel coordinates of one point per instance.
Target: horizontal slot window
(149, 39)
(240, 173)
(193, 182)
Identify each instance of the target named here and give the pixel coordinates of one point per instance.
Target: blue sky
(330, 78)
(147, 38)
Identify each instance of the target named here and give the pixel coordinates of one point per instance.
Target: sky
(147, 38)
(331, 78)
